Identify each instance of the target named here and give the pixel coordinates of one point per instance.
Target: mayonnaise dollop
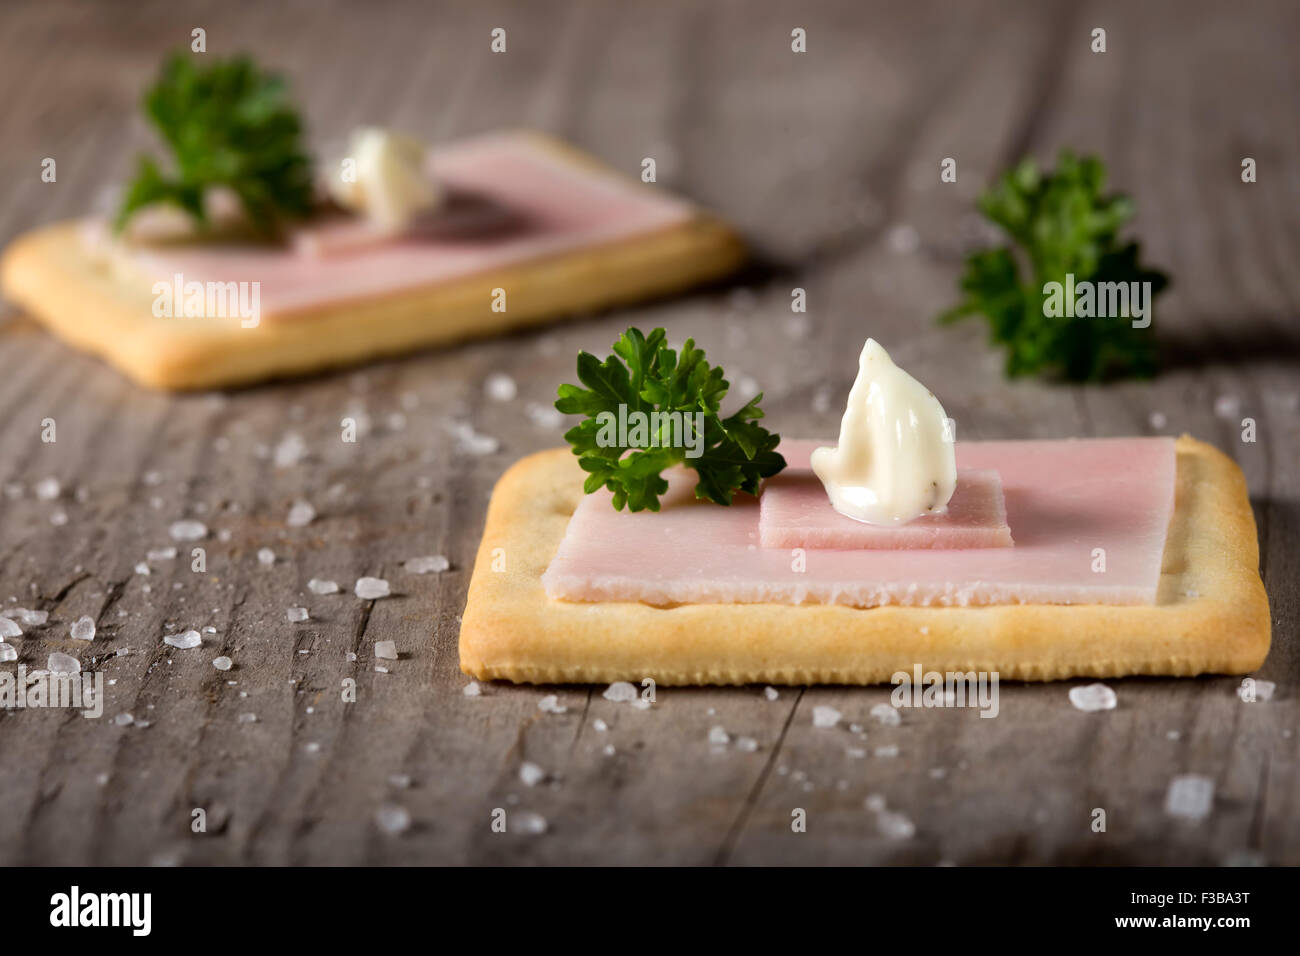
(390, 183)
(895, 460)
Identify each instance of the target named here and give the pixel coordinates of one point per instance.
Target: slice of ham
(1090, 519)
(510, 199)
(794, 512)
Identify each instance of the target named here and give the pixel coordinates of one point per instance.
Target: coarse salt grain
(436, 563)
(188, 530)
(301, 514)
(1091, 697)
(184, 640)
(371, 589)
(825, 717)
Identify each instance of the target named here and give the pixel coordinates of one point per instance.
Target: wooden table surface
(829, 162)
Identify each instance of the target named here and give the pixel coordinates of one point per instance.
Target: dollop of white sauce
(389, 181)
(896, 459)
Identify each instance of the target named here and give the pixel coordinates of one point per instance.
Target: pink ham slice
(794, 512)
(510, 199)
(1072, 505)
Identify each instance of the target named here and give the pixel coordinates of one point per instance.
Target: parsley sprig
(1059, 222)
(646, 376)
(229, 124)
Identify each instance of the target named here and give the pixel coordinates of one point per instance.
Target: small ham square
(794, 512)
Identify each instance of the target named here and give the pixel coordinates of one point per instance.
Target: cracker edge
(48, 274)
(512, 631)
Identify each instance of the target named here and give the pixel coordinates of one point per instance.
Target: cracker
(1211, 615)
(52, 276)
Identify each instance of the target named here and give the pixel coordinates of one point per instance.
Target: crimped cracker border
(1212, 614)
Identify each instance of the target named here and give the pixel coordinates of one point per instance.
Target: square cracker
(51, 275)
(1211, 614)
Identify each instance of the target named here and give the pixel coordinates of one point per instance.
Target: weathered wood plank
(829, 161)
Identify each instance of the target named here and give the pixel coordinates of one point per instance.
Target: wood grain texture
(829, 163)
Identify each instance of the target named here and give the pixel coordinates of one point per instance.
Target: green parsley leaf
(227, 124)
(646, 380)
(1059, 222)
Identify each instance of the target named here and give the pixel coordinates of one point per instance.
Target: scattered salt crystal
(9, 629)
(718, 735)
(895, 825)
(543, 416)
(903, 239)
(59, 518)
(472, 689)
(608, 750)
(161, 554)
(265, 557)
(550, 704)
(887, 714)
(247, 718)
(393, 819)
(222, 663)
(83, 629)
(1158, 420)
(291, 450)
(500, 387)
(13, 490)
(875, 803)
(60, 663)
(152, 478)
(301, 514)
(620, 692)
(380, 669)
(317, 586)
(1190, 797)
(123, 720)
(370, 589)
(889, 750)
(386, 650)
(599, 725)
(1256, 691)
(746, 744)
(188, 530)
(473, 442)
(436, 563)
(771, 693)
(533, 824)
(399, 780)
(142, 568)
(1227, 406)
(34, 618)
(8, 653)
(531, 774)
(297, 615)
(47, 489)
(185, 640)
(1091, 697)
(825, 717)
